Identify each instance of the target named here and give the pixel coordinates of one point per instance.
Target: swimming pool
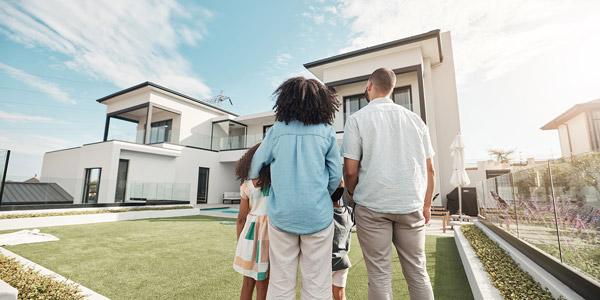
(226, 210)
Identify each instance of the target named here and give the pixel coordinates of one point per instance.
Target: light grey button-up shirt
(392, 144)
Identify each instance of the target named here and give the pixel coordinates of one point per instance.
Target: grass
(87, 212)
(192, 258)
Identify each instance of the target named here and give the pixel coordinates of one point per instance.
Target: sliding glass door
(202, 195)
(91, 185)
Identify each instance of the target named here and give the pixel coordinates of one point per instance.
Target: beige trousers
(376, 233)
(312, 252)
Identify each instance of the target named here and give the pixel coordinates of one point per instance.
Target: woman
(306, 168)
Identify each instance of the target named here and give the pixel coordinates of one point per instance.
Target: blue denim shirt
(306, 168)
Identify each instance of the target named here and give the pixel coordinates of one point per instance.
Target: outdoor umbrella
(459, 175)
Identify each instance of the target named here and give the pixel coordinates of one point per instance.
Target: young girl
(302, 151)
(252, 252)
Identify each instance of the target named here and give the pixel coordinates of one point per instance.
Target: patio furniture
(469, 201)
(232, 197)
(440, 212)
(445, 216)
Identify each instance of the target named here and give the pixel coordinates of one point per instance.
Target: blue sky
(518, 65)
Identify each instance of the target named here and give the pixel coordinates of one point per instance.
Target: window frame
(362, 96)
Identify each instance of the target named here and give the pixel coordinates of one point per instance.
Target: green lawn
(192, 257)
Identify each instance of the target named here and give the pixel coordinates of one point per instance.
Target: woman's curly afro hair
(305, 100)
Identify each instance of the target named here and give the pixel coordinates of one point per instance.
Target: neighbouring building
(487, 169)
(578, 128)
(160, 144)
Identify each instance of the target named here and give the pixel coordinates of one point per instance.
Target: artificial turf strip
(87, 212)
(503, 271)
(192, 258)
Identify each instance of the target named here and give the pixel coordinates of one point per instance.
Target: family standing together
(291, 216)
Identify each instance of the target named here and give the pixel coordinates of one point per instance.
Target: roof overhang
(429, 42)
(572, 112)
(153, 86)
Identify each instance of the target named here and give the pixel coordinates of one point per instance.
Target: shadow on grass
(450, 279)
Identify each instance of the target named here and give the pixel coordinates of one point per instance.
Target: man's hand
(427, 213)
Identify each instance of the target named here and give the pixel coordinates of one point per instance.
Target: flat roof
(160, 87)
(404, 41)
(571, 113)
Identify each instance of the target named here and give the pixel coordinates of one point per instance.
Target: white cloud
(124, 42)
(47, 87)
(20, 118)
(31, 143)
(489, 37)
(283, 59)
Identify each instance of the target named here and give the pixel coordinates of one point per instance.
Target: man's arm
(350, 175)
(430, 189)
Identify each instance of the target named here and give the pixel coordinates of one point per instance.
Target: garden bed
(87, 212)
(31, 284)
(504, 273)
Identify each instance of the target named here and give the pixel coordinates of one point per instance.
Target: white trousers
(312, 252)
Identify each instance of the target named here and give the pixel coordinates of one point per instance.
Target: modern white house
(578, 128)
(176, 147)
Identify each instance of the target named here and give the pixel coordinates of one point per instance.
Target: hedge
(87, 212)
(33, 285)
(503, 271)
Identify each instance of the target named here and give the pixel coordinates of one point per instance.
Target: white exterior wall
(563, 137)
(62, 167)
(442, 114)
(366, 64)
(579, 134)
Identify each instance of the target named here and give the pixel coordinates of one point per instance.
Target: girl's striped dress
(252, 252)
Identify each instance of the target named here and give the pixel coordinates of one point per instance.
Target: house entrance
(202, 195)
(121, 180)
(91, 185)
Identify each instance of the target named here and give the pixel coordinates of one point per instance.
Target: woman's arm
(263, 155)
(241, 219)
(333, 161)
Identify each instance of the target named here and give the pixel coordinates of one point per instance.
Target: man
(389, 174)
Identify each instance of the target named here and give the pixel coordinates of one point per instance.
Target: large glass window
(92, 185)
(160, 132)
(401, 96)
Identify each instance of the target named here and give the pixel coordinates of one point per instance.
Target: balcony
(143, 124)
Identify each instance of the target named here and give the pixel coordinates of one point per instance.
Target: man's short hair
(383, 80)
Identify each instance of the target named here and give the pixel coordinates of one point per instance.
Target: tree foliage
(501, 155)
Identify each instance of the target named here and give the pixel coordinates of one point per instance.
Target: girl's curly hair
(243, 167)
(305, 100)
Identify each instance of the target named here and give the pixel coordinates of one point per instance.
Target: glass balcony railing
(159, 191)
(236, 142)
(197, 140)
(555, 207)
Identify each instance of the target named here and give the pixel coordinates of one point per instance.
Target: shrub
(503, 271)
(88, 212)
(33, 285)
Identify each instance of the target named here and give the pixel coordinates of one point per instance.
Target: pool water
(226, 210)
